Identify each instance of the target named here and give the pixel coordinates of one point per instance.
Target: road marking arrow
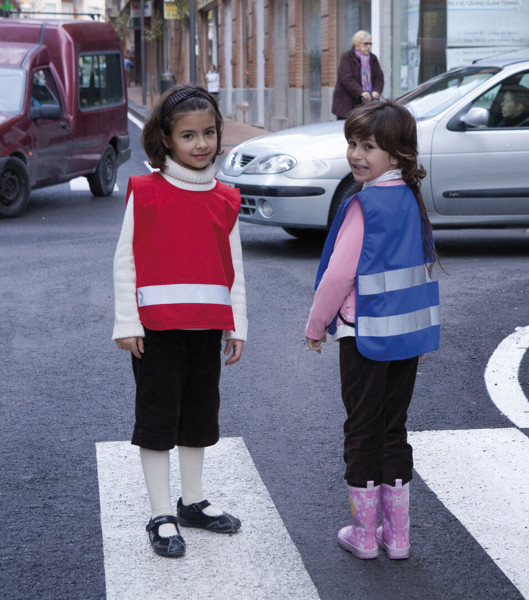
(501, 377)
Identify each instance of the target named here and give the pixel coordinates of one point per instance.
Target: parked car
(477, 160)
(63, 107)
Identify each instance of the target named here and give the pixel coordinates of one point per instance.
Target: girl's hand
(315, 344)
(235, 347)
(131, 344)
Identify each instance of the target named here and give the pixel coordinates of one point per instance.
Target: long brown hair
(173, 104)
(394, 130)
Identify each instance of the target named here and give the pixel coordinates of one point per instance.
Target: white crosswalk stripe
(259, 562)
(80, 184)
(481, 476)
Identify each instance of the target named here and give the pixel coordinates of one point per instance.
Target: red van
(63, 107)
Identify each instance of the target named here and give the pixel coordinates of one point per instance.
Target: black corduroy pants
(376, 396)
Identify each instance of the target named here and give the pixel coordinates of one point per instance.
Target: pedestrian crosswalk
(259, 562)
(481, 476)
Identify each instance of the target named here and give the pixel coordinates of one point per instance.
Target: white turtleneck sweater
(127, 319)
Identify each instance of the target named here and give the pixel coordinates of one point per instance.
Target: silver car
(476, 157)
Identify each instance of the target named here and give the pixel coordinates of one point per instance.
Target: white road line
(501, 377)
(481, 476)
(259, 562)
(80, 184)
(136, 121)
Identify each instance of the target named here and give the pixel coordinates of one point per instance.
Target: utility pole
(142, 53)
(192, 38)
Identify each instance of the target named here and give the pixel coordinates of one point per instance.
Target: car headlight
(278, 163)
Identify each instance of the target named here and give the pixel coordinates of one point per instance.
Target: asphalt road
(64, 387)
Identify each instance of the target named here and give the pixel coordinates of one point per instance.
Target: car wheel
(308, 235)
(103, 180)
(347, 188)
(14, 188)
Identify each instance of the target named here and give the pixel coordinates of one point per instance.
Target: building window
(312, 62)
(352, 16)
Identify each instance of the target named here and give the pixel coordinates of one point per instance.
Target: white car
(477, 163)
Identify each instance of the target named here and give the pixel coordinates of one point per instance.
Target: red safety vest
(184, 269)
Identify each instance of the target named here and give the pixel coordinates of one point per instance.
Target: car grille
(248, 206)
(245, 159)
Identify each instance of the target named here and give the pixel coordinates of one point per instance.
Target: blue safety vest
(397, 302)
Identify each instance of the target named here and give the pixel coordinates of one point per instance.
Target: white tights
(156, 471)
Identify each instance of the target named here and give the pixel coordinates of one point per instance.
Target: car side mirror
(476, 118)
(46, 111)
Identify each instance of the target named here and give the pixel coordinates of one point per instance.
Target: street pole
(142, 51)
(192, 37)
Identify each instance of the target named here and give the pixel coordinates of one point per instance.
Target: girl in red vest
(179, 290)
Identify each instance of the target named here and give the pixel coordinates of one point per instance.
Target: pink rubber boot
(394, 535)
(359, 538)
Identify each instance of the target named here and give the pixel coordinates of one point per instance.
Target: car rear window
(100, 80)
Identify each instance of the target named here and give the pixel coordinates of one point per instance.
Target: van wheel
(102, 182)
(347, 188)
(14, 188)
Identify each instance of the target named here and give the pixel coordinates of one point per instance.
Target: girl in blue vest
(374, 292)
(179, 290)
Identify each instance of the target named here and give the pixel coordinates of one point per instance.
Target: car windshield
(439, 93)
(12, 86)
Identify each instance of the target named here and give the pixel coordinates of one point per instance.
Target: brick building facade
(278, 59)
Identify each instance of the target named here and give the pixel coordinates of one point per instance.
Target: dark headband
(179, 96)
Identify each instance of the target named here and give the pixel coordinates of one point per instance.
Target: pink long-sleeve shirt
(336, 291)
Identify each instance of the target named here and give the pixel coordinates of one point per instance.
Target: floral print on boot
(394, 535)
(359, 538)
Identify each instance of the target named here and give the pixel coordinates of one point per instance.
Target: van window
(44, 89)
(100, 80)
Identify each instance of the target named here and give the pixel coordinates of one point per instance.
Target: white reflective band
(389, 281)
(183, 293)
(398, 324)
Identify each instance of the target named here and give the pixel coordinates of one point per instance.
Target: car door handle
(64, 124)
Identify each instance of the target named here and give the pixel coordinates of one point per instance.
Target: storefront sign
(135, 9)
(480, 28)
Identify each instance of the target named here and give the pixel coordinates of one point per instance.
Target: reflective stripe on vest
(183, 293)
(399, 324)
(390, 281)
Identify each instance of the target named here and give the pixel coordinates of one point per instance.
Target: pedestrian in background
(375, 293)
(213, 81)
(360, 78)
(179, 289)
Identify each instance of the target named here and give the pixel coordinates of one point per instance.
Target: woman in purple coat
(360, 77)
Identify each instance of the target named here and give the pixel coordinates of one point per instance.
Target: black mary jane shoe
(172, 546)
(192, 516)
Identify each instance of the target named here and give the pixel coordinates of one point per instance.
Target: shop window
(100, 80)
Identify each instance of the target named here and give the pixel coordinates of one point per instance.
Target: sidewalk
(234, 132)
